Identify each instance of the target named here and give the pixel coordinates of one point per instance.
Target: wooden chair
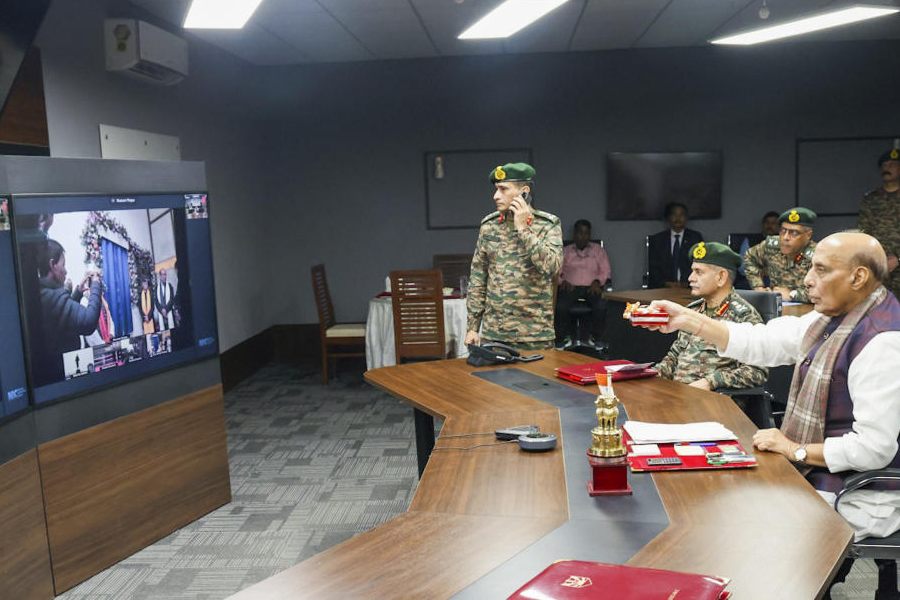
(331, 333)
(418, 305)
(452, 267)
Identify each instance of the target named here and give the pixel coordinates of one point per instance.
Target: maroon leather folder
(580, 580)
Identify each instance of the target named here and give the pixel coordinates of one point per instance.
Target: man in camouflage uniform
(879, 214)
(785, 258)
(694, 361)
(517, 256)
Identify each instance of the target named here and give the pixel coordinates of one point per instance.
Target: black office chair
(767, 304)
(757, 402)
(883, 550)
(580, 311)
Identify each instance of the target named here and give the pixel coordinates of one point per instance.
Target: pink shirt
(582, 267)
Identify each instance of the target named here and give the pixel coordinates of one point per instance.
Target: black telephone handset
(496, 353)
(501, 349)
(526, 197)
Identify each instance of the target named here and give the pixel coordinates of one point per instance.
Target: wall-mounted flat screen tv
(639, 185)
(112, 287)
(13, 389)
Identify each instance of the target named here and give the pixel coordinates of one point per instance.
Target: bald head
(859, 250)
(846, 268)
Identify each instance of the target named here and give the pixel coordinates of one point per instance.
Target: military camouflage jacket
(511, 283)
(879, 216)
(691, 358)
(766, 259)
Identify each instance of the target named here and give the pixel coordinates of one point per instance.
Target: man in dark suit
(668, 252)
(164, 302)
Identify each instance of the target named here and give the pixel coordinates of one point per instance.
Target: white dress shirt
(875, 390)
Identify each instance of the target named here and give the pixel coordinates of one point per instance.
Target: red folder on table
(695, 462)
(578, 580)
(585, 374)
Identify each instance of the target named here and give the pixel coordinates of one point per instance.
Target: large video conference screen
(13, 394)
(112, 287)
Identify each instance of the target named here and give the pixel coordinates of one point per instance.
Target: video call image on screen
(13, 392)
(112, 287)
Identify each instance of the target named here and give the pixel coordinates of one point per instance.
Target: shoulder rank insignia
(546, 215)
(491, 217)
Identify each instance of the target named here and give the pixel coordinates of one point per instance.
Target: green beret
(892, 154)
(714, 253)
(512, 172)
(798, 216)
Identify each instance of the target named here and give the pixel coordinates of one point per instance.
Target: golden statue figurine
(606, 456)
(607, 437)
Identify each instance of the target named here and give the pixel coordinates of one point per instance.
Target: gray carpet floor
(310, 467)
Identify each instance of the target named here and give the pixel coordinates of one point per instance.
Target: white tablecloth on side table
(380, 351)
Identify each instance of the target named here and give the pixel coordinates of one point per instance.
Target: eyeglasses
(791, 233)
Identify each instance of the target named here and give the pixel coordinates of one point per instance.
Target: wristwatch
(800, 454)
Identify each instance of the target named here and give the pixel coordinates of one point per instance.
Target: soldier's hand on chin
(472, 337)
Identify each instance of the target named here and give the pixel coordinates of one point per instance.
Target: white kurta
(875, 389)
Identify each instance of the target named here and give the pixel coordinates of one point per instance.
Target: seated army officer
(784, 258)
(517, 255)
(695, 361)
(843, 412)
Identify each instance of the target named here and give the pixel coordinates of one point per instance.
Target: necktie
(676, 247)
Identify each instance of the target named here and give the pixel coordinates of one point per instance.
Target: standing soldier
(784, 259)
(691, 359)
(517, 256)
(879, 213)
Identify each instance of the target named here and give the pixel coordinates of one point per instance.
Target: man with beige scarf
(843, 412)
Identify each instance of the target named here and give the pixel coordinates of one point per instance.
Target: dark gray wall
(324, 162)
(209, 113)
(349, 141)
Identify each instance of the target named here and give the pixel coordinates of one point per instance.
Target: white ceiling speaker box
(144, 51)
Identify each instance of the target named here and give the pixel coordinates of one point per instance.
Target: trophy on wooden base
(607, 453)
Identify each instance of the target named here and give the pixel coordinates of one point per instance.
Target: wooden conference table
(476, 514)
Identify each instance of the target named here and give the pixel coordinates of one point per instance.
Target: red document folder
(577, 579)
(688, 463)
(586, 374)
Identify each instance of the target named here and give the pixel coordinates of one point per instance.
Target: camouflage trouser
(525, 346)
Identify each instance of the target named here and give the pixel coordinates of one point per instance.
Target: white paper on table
(628, 367)
(656, 433)
(790, 303)
(688, 450)
(644, 450)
